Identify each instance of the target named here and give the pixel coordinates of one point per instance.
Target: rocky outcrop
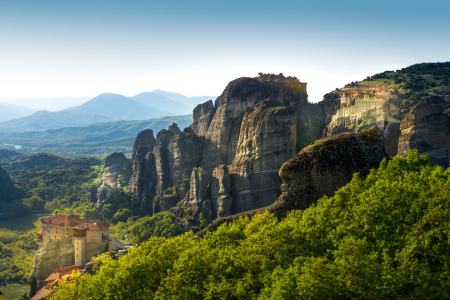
(267, 139)
(48, 258)
(104, 192)
(198, 192)
(116, 158)
(202, 117)
(222, 199)
(164, 203)
(241, 94)
(233, 150)
(185, 152)
(92, 195)
(391, 135)
(117, 163)
(426, 128)
(170, 161)
(319, 169)
(143, 178)
(325, 166)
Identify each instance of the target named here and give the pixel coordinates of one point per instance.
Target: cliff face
(325, 166)
(162, 163)
(48, 258)
(423, 126)
(267, 138)
(143, 178)
(202, 117)
(231, 153)
(427, 128)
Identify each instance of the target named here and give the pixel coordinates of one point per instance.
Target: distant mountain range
(103, 108)
(11, 111)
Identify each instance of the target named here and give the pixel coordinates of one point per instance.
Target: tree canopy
(382, 237)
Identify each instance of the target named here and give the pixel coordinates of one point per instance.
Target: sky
(81, 48)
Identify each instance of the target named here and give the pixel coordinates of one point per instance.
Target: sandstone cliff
(232, 152)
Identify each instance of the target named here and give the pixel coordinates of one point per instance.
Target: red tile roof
(61, 219)
(63, 273)
(58, 274)
(56, 220)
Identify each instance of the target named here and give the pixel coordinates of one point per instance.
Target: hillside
(45, 161)
(43, 120)
(10, 111)
(97, 139)
(429, 77)
(413, 83)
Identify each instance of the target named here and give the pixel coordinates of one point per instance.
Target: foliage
(371, 134)
(383, 237)
(17, 248)
(138, 230)
(46, 161)
(45, 191)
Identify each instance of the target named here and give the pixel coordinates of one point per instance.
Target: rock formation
(202, 117)
(420, 123)
(92, 195)
(116, 158)
(117, 163)
(325, 166)
(55, 253)
(427, 128)
(143, 178)
(167, 163)
(231, 153)
(319, 169)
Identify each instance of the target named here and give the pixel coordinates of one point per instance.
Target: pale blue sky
(87, 47)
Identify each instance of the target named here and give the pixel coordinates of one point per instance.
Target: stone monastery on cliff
(88, 239)
(361, 103)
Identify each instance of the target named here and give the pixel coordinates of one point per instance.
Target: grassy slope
(429, 77)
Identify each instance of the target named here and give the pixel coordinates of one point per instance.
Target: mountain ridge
(106, 107)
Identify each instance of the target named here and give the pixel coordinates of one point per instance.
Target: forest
(382, 237)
